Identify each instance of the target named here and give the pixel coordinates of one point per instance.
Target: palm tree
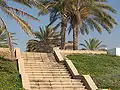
(45, 40)
(85, 15)
(3, 39)
(82, 16)
(15, 14)
(56, 10)
(59, 10)
(93, 44)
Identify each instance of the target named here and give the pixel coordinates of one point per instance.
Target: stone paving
(45, 73)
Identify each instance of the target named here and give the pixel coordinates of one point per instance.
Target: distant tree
(45, 40)
(93, 44)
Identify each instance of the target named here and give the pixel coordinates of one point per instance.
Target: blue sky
(111, 40)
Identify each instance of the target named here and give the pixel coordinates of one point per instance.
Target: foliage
(3, 42)
(46, 40)
(28, 3)
(9, 75)
(92, 15)
(85, 16)
(93, 44)
(104, 69)
(16, 14)
(3, 39)
(82, 15)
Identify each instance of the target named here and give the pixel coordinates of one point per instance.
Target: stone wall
(5, 52)
(68, 52)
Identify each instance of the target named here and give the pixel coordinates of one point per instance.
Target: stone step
(51, 56)
(27, 60)
(43, 65)
(46, 72)
(38, 61)
(37, 58)
(57, 86)
(45, 69)
(56, 80)
(49, 74)
(48, 78)
(53, 63)
(41, 60)
(56, 83)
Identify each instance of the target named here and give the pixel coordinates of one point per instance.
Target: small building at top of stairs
(114, 51)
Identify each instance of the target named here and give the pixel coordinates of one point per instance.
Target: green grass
(9, 75)
(104, 69)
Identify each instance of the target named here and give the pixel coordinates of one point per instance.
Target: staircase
(45, 73)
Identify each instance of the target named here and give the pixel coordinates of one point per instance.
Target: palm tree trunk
(75, 38)
(12, 56)
(63, 31)
(8, 40)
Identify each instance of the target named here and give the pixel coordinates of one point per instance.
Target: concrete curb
(20, 61)
(89, 83)
(58, 56)
(73, 71)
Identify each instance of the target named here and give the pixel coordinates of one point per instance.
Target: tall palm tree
(45, 39)
(93, 44)
(57, 10)
(92, 14)
(15, 13)
(60, 9)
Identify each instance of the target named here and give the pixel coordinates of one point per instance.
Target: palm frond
(93, 44)
(27, 28)
(20, 12)
(105, 7)
(28, 3)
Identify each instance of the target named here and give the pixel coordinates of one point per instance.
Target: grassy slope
(104, 69)
(9, 76)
